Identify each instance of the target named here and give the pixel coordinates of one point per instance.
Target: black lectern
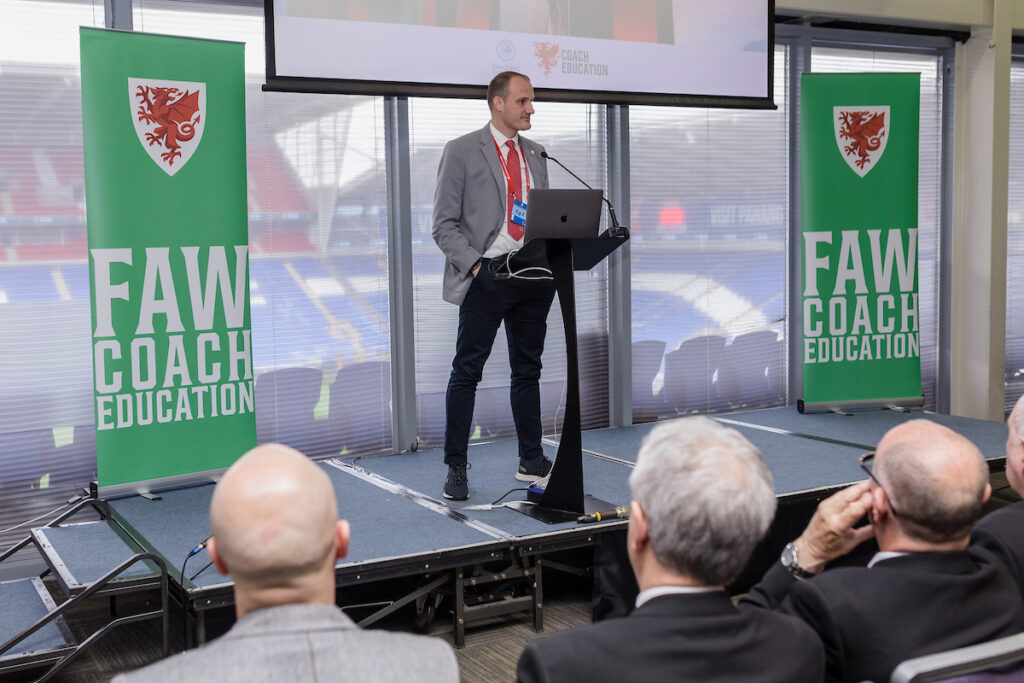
(562, 498)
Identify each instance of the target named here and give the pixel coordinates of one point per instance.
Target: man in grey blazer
(483, 184)
(274, 519)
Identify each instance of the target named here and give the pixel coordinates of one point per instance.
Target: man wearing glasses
(1002, 531)
(925, 591)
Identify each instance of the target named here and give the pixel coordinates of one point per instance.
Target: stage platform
(402, 527)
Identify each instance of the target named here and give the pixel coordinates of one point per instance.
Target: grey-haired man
(702, 499)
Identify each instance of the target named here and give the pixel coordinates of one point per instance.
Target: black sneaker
(533, 470)
(456, 486)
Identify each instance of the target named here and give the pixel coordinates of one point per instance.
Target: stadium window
(318, 239)
(709, 217)
(575, 133)
(1015, 240)
(709, 214)
(47, 453)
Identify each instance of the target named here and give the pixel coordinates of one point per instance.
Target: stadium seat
(593, 357)
(27, 457)
(73, 250)
(285, 401)
(689, 376)
(647, 358)
(493, 412)
(75, 464)
(552, 406)
(359, 410)
(748, 365)
(430, 410)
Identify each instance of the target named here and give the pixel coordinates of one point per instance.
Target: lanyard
(504, 168)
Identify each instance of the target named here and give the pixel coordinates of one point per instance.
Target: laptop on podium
(553, 214)
(565, 214)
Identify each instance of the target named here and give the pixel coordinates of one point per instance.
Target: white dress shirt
(504, 243)
(884, 555)
(658, 591)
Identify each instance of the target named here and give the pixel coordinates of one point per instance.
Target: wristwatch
(792, 565)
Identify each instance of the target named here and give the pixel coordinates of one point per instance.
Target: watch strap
(790, 560)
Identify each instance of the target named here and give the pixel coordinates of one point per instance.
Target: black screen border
(337, 86)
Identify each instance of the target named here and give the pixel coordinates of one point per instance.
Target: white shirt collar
(882, 555)
(500, 139)
(658, 591)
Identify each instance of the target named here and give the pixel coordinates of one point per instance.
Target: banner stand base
(860, 405)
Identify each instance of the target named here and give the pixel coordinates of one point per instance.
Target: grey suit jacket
(296, 643)
(469, 203)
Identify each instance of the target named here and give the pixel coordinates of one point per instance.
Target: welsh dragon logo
(547, 56)
(861, 135)
(168, 118)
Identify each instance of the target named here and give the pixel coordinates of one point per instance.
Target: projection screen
(700, 52)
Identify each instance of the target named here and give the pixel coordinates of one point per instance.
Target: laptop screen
(563, 214)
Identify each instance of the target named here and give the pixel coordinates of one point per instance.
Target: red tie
(515, 187)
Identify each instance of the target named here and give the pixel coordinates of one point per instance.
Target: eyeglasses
(866, 461)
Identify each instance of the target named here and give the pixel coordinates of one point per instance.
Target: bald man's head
(936, 479)
(1015, 447)
(274, 519)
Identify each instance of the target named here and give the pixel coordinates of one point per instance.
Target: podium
(562, 498)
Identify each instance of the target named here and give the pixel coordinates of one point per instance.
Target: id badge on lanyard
(519, 213)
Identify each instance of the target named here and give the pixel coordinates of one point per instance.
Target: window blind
(709, 216)
(47, 453)
(1015, 241)
(318, 239)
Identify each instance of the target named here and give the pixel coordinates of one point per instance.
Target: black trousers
(523, 305)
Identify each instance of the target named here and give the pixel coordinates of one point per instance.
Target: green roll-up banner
(164, 135)
(861, 341)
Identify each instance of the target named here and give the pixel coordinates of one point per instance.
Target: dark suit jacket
(1002, 533)
(870, 620)
(698, 637)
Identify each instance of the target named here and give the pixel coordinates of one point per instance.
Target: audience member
(275, 528)
(702, 499)
(925, 591)
(1002, 531)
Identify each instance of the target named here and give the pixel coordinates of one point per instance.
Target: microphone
(198, 549)
(621, 512)
(615, 230)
